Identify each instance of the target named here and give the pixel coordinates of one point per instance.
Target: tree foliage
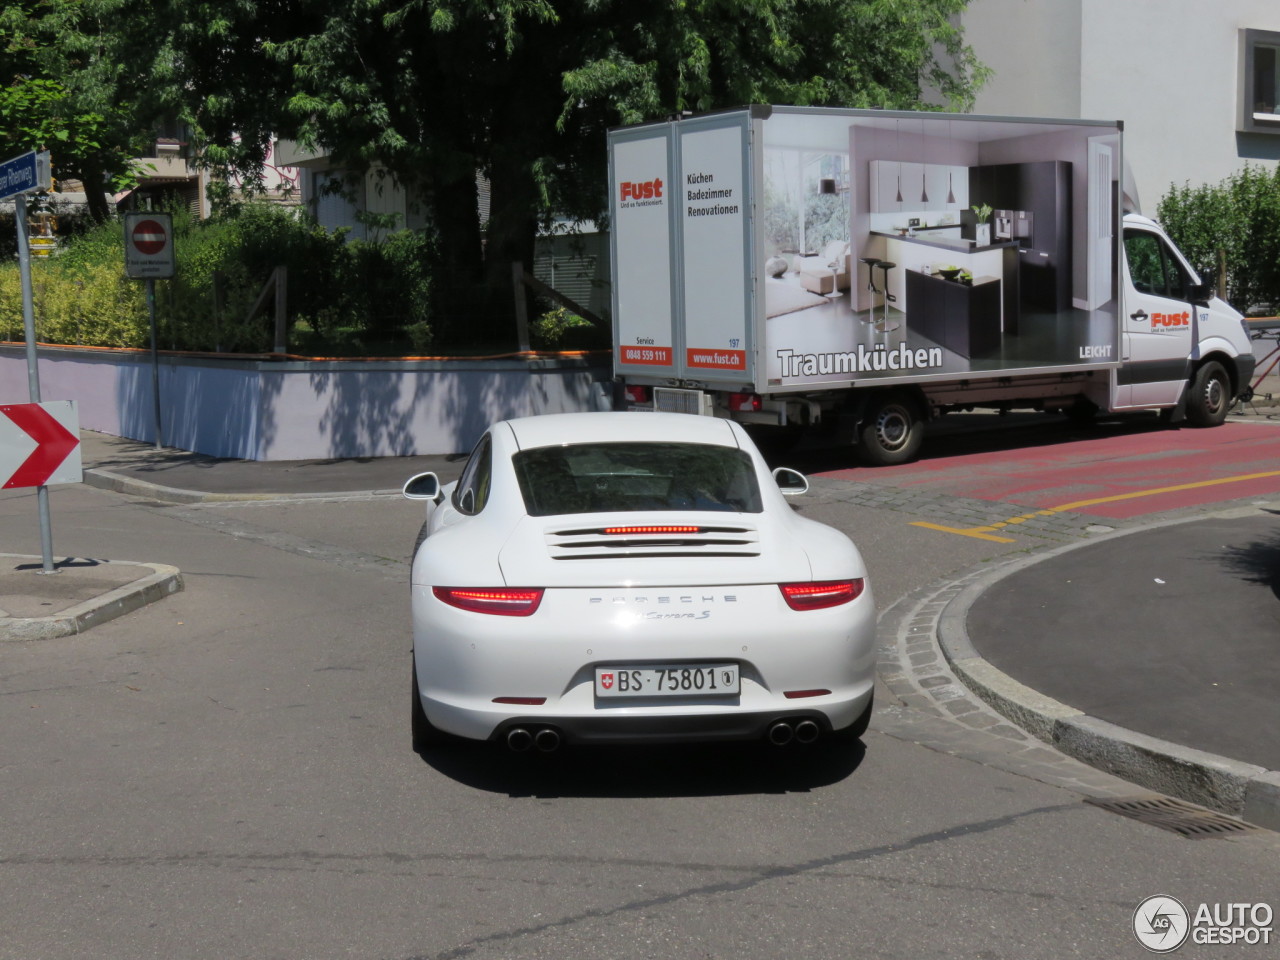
(60, 91)
(1236, 224)
(521, 91)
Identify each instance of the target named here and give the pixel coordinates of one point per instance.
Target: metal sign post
(148, 255)
(30, 173)
(155, 359)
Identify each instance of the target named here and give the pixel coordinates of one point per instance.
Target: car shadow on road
(630, 771)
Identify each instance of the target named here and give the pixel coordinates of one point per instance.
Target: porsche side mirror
(792, 483)
(422, 486)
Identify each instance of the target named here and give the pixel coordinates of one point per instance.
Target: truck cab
(1184, 349)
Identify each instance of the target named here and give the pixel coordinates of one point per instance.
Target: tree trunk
(510, 239)
(457, 288)
(92, 177)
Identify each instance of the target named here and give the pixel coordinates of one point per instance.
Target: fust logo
(1182, 319)
(645, 190)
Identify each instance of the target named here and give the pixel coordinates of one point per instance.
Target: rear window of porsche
(604, 477)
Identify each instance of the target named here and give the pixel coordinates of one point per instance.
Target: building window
(337, 203)
(1260, 80)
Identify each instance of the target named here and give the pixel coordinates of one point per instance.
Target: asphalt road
(227, 773)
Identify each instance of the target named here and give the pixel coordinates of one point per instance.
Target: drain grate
(1178, 816)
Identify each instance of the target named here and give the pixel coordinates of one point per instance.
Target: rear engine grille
(702, 541)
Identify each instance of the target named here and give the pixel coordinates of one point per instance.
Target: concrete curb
(162, 581)
(1242, 790)
(130, 486)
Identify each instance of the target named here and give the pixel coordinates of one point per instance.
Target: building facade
(1194, 82)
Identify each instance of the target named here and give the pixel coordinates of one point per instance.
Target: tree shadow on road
(1258, 561)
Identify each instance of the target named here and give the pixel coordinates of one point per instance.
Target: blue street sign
(27, 173)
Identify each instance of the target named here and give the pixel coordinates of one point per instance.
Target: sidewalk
(83, 592)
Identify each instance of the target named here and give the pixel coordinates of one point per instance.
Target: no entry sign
(148, 245)
(149, 236)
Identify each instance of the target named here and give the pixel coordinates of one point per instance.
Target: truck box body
(824, 260)
(738, 240)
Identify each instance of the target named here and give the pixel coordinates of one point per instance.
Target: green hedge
(344, 297)
(1236, 223)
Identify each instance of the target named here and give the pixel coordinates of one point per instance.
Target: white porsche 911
(632, 577)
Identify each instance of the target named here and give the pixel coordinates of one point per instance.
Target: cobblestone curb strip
(155, 582)
(929, 705)
(1229, 786)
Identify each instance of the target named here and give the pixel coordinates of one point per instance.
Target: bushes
(76, 301)
(343, 297)
(560, 329)
(1237, 220)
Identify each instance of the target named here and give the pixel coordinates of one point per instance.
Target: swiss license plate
(674, 680)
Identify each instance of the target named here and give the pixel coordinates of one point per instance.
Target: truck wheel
(1082, 412)
(1210, 396)
(891, 430)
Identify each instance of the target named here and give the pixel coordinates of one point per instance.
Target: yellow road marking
(985, 533)
(971, 532)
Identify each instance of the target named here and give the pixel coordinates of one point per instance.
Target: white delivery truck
(791, 266)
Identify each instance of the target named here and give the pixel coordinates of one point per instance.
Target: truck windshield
(606, 477)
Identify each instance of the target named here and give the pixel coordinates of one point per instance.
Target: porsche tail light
(504, 602)
(745, 402)
(816, 595)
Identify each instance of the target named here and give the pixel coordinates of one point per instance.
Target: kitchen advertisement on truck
(786, 248)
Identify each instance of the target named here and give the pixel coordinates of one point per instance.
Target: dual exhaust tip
(783, 732)
(545, 739)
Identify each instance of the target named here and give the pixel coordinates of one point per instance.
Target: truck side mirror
(1200, 293)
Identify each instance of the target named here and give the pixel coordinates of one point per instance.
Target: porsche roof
(635, 427)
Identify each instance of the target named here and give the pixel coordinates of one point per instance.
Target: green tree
(1234, 225)
(59, 91)
(523, 92)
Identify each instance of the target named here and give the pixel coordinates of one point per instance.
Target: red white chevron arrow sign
(39, 444)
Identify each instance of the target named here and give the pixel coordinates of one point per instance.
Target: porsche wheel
(859, 727)
(424, 734)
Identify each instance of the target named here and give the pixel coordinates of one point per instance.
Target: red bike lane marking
(1132, 475)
